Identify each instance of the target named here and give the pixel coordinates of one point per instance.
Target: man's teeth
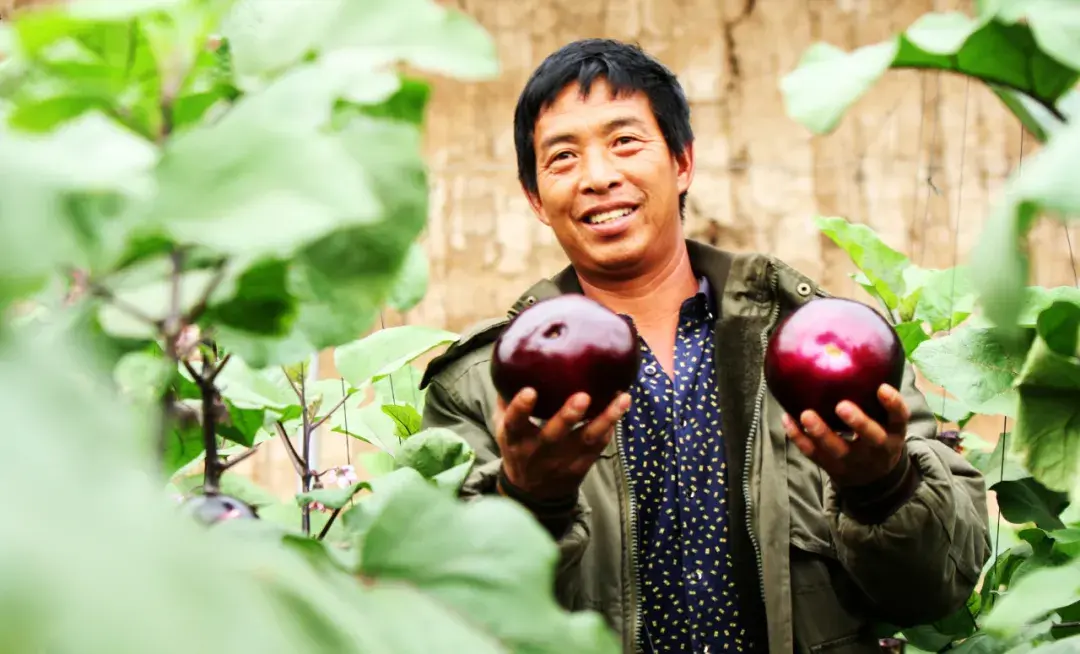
(609, 215)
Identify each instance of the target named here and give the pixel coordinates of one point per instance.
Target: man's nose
(600, 173)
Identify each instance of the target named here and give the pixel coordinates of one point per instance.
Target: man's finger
(827, 443)
(805, 445)
(868, 430)
(899, 413)
(516, 422)
(563, 422)
(597, 432)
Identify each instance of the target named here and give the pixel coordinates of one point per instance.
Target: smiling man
(693, 514)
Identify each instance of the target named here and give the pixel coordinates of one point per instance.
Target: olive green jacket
(827, 568)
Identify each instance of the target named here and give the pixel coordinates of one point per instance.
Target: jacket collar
(707, 261)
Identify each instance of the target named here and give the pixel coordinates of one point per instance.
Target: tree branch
(132, 310)
(329, 523)
(239, 458)
(329, 413)
(296, 389)
(294, 456)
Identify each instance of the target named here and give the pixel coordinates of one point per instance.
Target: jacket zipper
(634, 589)
(755, 425)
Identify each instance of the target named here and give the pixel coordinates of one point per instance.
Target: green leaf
(411, 283)
(490, 560)
(266, 36)
(1047, 429)
(425, 34)
(142, 375)
(883, 266)
(992, 467)
(1026, 500)
(385, 351)
(261, 302)
(1032, 597)
(999, 264)
(297, 186)
(242, 426)
(911, 334)
(438, 454)
(946, 297)
(269, 35)
(370, 424)
(183, 447)
(343, 280)
(332, 498)
(828, 81)
(1055, 24)
(37, 174)
(975, 366)
(405, 417)
(247, 388)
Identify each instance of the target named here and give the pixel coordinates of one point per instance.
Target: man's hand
(549, 462)
(873, 453)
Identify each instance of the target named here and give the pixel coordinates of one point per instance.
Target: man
(693, 513)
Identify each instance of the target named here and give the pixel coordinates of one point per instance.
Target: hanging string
(931, 167)
(1072, 258)
(345, 418)
(956, 222)
(393, 396)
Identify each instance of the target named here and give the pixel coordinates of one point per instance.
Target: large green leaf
(269, 35)
(438, 454)
(490, 560)
(1026, 500)
(342, 279)
(974, 365)
(1033, 596)
(881, 264)
(828, 80)
(1044, 185)
(37, 175)
(1054, 24)
(1047, 428)
(381, 353)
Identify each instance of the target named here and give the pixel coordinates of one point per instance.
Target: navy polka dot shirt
(672, 442)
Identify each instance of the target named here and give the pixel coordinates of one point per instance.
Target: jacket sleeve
(917, 541)
(567, 523)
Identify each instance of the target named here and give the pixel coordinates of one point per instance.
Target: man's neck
(649, 298)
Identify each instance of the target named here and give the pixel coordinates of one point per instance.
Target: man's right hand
(550, 462)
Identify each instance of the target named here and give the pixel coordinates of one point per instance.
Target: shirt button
(650, 369)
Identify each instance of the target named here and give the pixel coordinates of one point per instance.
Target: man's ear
(537, 205)
(685, 167)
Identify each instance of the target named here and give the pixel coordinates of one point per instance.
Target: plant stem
(214, 468)
(294, 456)
(239, 458)
(329, 523)
(306, 480)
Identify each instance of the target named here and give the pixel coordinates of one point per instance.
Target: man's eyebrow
(610, 126)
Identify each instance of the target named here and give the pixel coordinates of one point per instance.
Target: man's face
(608, 185)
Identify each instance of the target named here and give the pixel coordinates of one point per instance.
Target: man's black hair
(626, 68)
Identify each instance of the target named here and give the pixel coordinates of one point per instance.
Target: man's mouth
(608, 216)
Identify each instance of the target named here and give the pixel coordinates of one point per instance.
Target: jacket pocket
(825, 613)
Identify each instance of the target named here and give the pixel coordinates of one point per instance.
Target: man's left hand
(873, 453)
